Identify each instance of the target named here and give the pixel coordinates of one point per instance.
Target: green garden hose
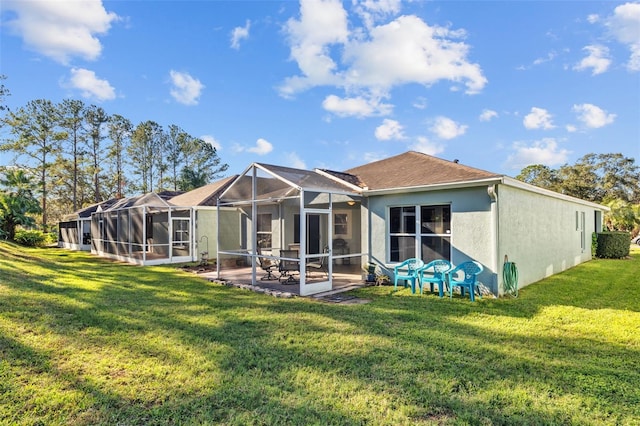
(510, 277)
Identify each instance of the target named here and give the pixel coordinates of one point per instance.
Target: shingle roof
(413, 169)
(204, 196)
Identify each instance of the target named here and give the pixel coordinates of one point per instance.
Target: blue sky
(498, 85)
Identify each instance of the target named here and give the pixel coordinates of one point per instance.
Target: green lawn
(87, 341)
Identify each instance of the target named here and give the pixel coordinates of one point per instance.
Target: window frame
(259, 232)
(418, 234)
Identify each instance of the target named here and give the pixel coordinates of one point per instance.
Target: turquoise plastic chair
(439, 268)
(471, 270)
(407, 271)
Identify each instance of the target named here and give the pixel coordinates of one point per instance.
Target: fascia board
(514, 183)
(436, 187)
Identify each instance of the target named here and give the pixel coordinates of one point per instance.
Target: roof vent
(456, 161)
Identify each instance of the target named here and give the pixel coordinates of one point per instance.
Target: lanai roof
(205, 195)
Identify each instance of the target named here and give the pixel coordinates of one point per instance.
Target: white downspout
(495, 237)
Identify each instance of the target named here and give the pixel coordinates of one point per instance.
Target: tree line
(80, 155)
(609, 179)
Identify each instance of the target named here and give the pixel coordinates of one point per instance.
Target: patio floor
(345, 278)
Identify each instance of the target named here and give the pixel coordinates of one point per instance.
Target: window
(181, 231)
(429, 241)
(342, 224)
(263, 230)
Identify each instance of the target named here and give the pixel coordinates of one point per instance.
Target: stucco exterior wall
(471, 226)
(541, 234)
(206, 231)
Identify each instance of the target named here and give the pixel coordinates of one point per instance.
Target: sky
(497, 85)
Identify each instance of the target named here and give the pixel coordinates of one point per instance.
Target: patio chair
(471, 270)
(319, 263)
(407, 272)
(440, 268)
(288, 268)
(268, 266)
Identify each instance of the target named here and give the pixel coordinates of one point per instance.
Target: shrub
(613, 245)
(31, 238)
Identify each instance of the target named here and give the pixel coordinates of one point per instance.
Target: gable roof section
(150, 199)
(85, 212)
(204, 196)
(415, 169)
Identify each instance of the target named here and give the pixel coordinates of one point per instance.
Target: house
(74, 230)
(409, 205)
(327, 222)
(149, 229)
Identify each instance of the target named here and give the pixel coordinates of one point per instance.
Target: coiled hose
(510, 277)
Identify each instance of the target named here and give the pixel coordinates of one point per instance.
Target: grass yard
(84, 341)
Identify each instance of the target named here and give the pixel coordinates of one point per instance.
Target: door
(313, 234)
(317, 259)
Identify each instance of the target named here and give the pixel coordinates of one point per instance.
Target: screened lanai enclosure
(296, 226)
(145, 230)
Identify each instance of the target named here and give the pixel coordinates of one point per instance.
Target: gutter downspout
(492, 190)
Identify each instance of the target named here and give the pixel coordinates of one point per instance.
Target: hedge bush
(32, 238)
(613, 245)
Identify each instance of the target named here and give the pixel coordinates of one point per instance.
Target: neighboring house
(74, 230)
(414, 205)
(167, 227)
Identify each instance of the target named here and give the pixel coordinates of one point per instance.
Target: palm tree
(17, 202)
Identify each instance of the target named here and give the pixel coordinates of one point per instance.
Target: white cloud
(213, 141)
(322, 23)
(538, 118)
(545, 151)
(446, 128)
(263, 147)
(624, 24)
(571, 128)
(407, 50)
(420, 103)
(368, 62)
(61, 29)
(90, 85)
(375, 10)
(186, 89)
(294, 160)
(597, 60)
(389, 129)
(550, 57)
(592, 116)
(238, 34)
(424, 145)
(355, 107)
(370, 157)
(593, 18)
(488, 115)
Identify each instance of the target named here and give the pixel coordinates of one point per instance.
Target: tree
(539, 175)
(619, 177)
(17, 202)
(201, 164)
(176, 140)
(72, 113)
(623, 216)
(95, 118)
(37, 137)
(142, 150)
(4, 92)
(120, 130)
